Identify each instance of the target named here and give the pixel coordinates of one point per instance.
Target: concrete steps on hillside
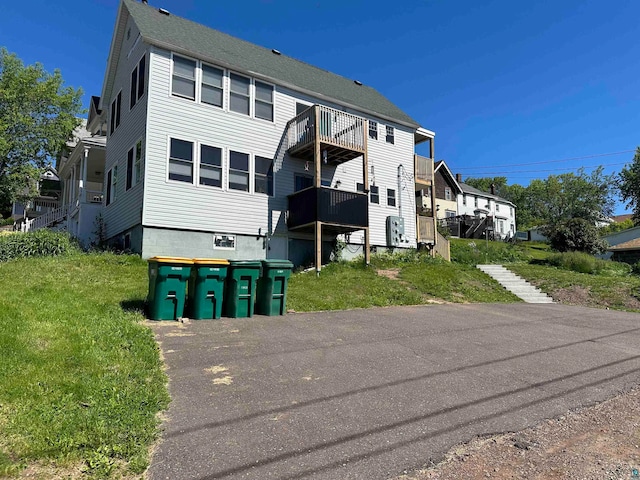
(515, 284)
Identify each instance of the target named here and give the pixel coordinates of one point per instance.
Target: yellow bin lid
(175, 260)
(210, 261)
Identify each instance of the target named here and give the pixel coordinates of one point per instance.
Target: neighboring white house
(476, 203)
(217, 147)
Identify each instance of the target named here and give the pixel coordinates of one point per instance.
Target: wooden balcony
(338, 210)
(341, 136)
(423, 171)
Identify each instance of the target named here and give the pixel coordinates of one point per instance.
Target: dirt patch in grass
(598, 442)
(574, 295)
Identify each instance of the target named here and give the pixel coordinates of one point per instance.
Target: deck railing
(335, 127)
(424, 169)
(328, 205)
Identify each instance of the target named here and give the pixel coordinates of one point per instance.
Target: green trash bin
(272, 287)
(168, 278)
(206, 288)
(240, 288)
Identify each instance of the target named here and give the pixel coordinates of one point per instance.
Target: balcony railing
(424, 169)
(349, 210)
(341, 135)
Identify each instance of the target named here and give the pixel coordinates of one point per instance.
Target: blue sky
(512, 88)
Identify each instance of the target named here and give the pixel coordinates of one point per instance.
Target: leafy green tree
(37, 117)
(616, 227)
(628, 182)
(575, 234)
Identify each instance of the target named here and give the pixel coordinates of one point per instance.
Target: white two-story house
(476, 203)
(220, 148)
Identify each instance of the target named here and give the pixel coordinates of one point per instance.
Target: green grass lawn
(620, 292)
(81, 381)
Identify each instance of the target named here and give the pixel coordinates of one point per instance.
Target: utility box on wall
(395, 231)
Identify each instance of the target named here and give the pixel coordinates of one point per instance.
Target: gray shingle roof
(474, 191)
(185, 36)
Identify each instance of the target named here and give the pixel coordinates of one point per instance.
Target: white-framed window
(263, 177)
(449, 213)
(183, 80)
(497, 207)
(263, 107)
(391, 197)
(475, 202)
(374, 194)
(511, 211)
(115, 113)
(373, 129)
(134, 165)
(210, 166)
(212, 86)
(112, 185)
(181, 160)
(447, 193)
(238, 171)
(239, 93)
(137, 82)
(464, 200)
(390, 135)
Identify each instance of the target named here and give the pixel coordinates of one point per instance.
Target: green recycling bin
(272, 287)
(168, 278)
(240, 288)
(206, 288)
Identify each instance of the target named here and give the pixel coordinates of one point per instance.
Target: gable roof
(441, 166)
(628, 245)
(189, 38)
(468, 189)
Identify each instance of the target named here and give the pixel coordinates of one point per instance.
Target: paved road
(368, 394)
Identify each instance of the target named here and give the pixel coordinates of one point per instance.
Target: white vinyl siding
(184, 206)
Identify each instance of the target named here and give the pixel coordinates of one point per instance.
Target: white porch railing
(335, 127)
(47, 219)
(93, 196)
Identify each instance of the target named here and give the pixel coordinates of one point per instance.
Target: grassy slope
(80, 377)
(613, 291)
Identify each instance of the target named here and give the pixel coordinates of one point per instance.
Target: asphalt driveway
(370, 394)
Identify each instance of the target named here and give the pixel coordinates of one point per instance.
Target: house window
(360, 187)
(212, 87)
(302, 181)
(224, 242)
(374, 194)
(210, 166)
(264, 101)
(464, 200)
(497, 207)
(511, 211)
(184, 78)
(391, 197)
(181, 161)
(450, 213)
(263, 182)
(475, 202)
(137, 83)
(240, 94)
(373, 129)
(137, 163)
(447, 193)
(239, 171)
(115, 113)
(112, 185)
(129, 179)
(390, 135)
